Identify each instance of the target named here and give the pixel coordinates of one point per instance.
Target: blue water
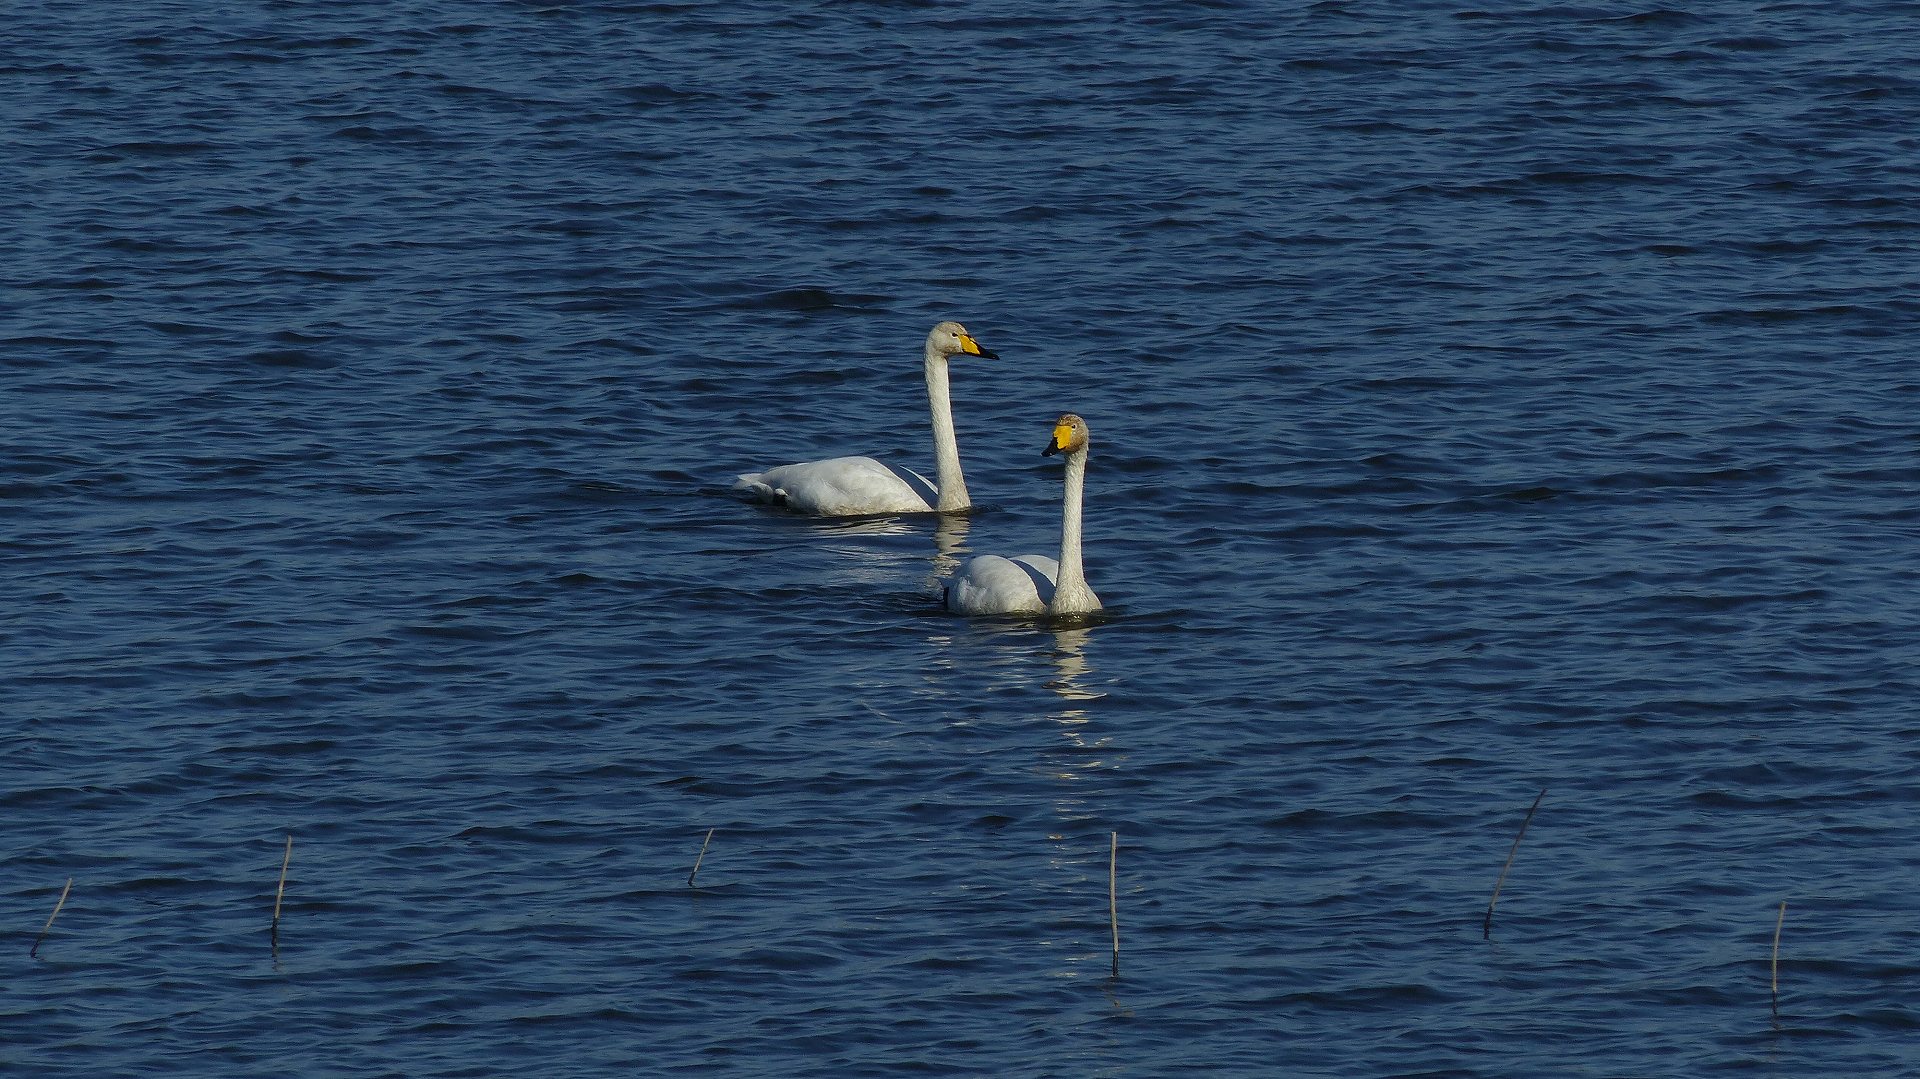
(1485, 400)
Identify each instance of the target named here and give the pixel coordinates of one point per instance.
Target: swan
(1034, 583)
(852, 486)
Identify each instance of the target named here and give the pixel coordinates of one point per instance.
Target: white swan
(1034, 583)
(852, 486)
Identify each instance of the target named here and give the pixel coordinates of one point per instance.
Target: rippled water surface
(1483, 400)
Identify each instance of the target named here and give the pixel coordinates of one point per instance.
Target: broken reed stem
(1486, 927)
(1113, 897)
(1778, 922)
(281, 893)
(703, 854)
(34, 951)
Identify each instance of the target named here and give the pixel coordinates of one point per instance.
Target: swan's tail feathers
(754, 485)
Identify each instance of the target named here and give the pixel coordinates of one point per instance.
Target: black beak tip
(985, 355)
(1050, 451)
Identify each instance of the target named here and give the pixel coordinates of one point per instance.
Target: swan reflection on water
(1070, 681)
(1012, 656)
(949, 548)
(1082, 813)
(832, 528)
(1055, 668)
(1070, 665)
(850, 540)
(869, 553)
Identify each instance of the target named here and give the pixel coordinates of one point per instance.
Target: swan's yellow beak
(972, 348)
(1062, 437)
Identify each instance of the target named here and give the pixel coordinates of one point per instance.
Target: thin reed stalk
(1486, 927)
(702, 856)
(34, 952)
(1777, 923)
(280, 893)
(1113, 897)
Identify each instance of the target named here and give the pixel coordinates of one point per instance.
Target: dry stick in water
(34, 951)
(1113, 901)
(1486, 927)
(703, 854)
(1778, 922)
(274, 929)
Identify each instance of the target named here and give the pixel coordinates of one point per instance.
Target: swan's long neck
(1070, 592)
(946, 450)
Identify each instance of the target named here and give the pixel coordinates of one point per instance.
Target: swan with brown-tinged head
(861, 486)
(1034, 583)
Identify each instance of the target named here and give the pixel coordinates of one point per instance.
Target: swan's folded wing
(841, 487)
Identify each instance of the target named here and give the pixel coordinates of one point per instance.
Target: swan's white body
(992, 584)
(1034, 583)
(856, 486)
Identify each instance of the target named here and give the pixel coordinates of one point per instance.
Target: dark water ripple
(1485, 400)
